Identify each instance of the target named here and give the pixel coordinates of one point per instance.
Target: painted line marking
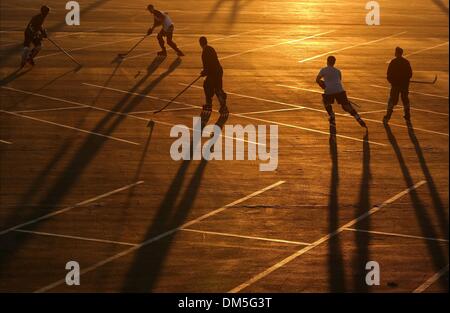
(245, 237)
(80, 204)
(190, 44)
(325, 238)
(415, 92)
(115, 112)
(88, 47)
(422, 50)
(361, 99)
(167, 100)
(161, 236)
(394, 234)
(430, 281)
(371, 120)
(83, 32)
(6, 142)
(289, 125)
(271, 111)
(70, 127)
(275, 45)
(49, 110)
(167, 110)
(350, 47)
(74, 237)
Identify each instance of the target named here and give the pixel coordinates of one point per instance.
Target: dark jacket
(211, 64)
(399, 72)
(35, 24)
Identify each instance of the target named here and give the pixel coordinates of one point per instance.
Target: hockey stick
(122, 55)
(151, 123)
(63, 51)
(424, 82)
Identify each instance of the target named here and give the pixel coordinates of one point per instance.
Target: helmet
(45, 9)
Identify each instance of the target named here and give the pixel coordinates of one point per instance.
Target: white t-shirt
(332, 77)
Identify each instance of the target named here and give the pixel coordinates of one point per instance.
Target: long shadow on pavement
(434, 249)
(362, 254)
(437, 202)
(336, 275)
(80, 160)
(148, 262)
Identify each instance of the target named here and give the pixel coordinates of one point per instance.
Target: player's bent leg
(406, 104)
(392, 102)
(327, 103)
(347, 106)
(209, 93)
(160, 38)
(25, 55)
(34, 52)
(172, 44)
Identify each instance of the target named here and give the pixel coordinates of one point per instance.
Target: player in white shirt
(330, 79)
(166, 31)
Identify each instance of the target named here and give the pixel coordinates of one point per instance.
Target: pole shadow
(362, 239)
(79, 161)
(336, 274)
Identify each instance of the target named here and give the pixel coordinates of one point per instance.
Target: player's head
(45, 10)
(331, 60)
(398, 52)
(151, 8)
(203, 41)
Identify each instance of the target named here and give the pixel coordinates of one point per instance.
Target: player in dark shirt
(34, 33)
(162, 19)
(214, 73)
(399, 74)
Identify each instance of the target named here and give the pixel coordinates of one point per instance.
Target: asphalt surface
(84, 179)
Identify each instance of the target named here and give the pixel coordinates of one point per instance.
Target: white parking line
(422, 50)
(166, 110)
(394, 234)
(290, 125)
(415, 92)
(167, 100)
(69, 127)
(275, 45)
(190, 44)
(271, 111)
(80, 204)
(372, 120)
(360, 99)
(74, 237)
(246, 237)
(161, 236)
(83, 32)
(50, 110)
(349, 47)
(325, 238)
(430, 281)
(88, 47)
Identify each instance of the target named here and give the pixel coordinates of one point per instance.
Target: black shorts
(340, 98)
(31, 37)
(168, 33)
